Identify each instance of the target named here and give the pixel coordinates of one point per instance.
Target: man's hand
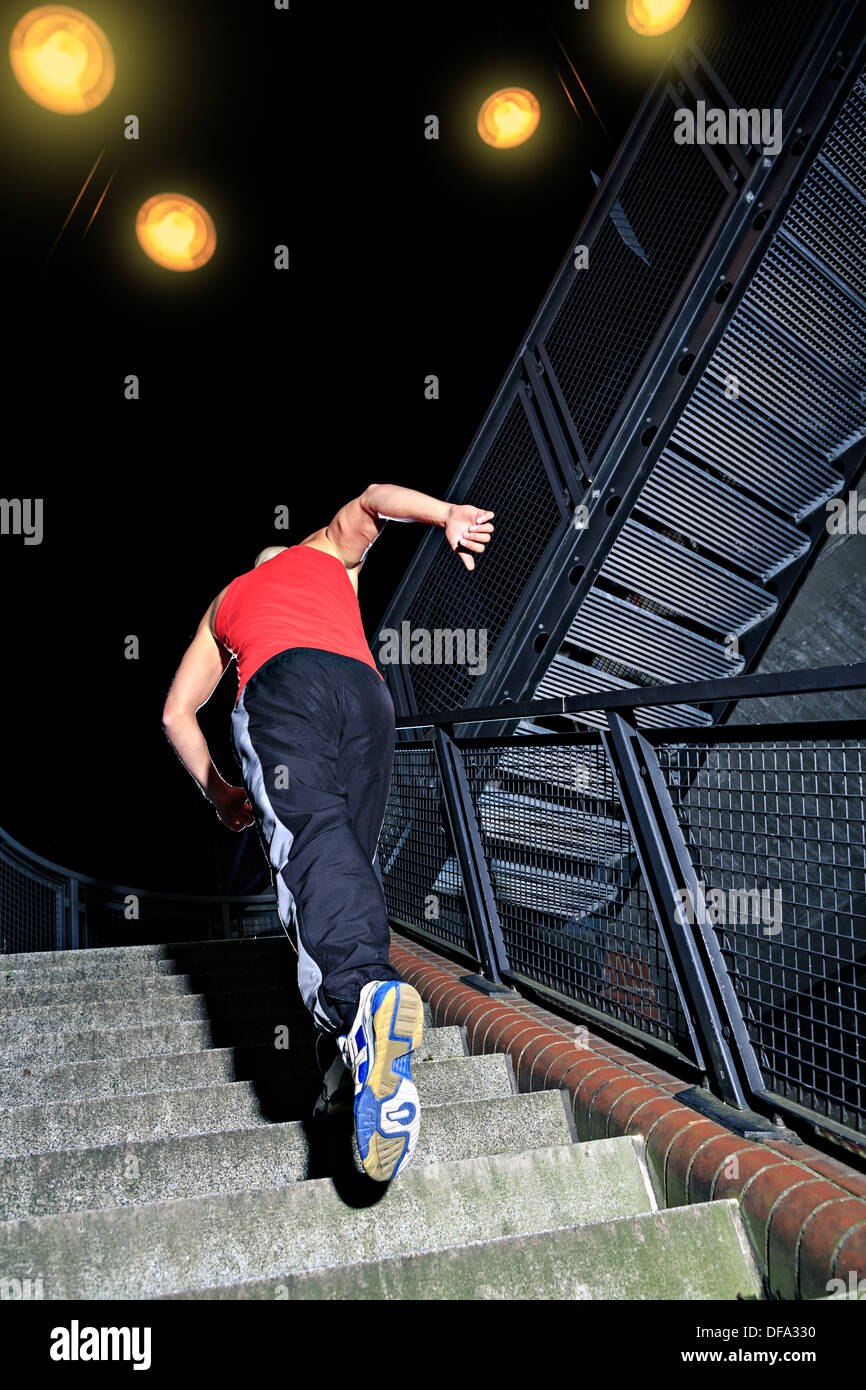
(233, 808)
(470, 528)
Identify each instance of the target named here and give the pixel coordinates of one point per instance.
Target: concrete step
(62, 1125)
(272, 1232)
(101, 1010)
(88, 1043)
(159, 1169)
(210, 954)
(693, 1254)
(30, 1083)
(131, 962)
(282, 1004)
(49, 989)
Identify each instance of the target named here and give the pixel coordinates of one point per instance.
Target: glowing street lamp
(655, 16)
(62, 59)
(175, 231)
(508, 117)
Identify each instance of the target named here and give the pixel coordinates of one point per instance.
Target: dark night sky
(258, 388)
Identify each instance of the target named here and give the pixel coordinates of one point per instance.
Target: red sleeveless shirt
(301, 598)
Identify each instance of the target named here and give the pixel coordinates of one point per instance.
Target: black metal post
(693, 950)
(477, 887)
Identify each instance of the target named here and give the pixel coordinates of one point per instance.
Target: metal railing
(45, 907)
(699, 890)
(703, 889)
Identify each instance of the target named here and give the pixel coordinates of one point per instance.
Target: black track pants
(314, 734)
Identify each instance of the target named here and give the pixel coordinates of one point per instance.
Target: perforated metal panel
(612, 311)
(759, 60)
(511, 481)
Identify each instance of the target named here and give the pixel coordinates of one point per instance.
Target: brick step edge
(804, 1211)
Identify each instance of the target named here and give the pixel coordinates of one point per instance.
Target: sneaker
(337, 1095)
(378, 1047)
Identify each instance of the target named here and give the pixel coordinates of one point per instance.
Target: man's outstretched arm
(357, 525)
(197, 678)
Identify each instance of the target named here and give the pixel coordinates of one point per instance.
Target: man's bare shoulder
(320, 540)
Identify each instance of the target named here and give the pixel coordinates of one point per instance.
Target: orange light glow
(62, 59)
(175, 231)
(508, 117)
(655, 16)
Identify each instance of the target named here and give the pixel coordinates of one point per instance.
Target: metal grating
(814, 310)
(845, 147)
(696, 503)
(571, 899)
(653, 647)
(787, 821)
(158, 921)
(671, 574)
(565, 676)
(827, 219)
(748, 448)
(786, 387)
(420, 876)
(513, 483)
(758, 59)
(603, 330)
(31, 909)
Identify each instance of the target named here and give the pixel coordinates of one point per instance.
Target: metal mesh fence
(36, 907)
(513, 483)
(640, 261)
(420, 874)
(31, 908)
(571, 898)
(760, 60)
(777, 832)
(112, 920)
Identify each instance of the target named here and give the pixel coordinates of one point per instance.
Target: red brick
(544, 1064)
(662, 1135)
(541, 1039)
(851, 1256)
(455, 1005)
(604, 1100)
(498, 1025)
(560, 1070)
(750, 1161)
(840, 1173)
(624, 1108)
(535, 1065)
(710, 1159)
(593, 1079)
(645, 1116)
(469, 1011)
(787, 1219)
(760, 1196)
(437, 993)
(420, 975)
(680, 1158)
(822, 1236)
(480, 1023)
(514, 1033)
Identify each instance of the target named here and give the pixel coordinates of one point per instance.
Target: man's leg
(365, 760)
(288, 731)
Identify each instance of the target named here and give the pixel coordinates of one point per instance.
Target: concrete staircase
(157, 1141)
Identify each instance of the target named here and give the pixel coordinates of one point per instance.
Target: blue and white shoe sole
(387, 1113)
